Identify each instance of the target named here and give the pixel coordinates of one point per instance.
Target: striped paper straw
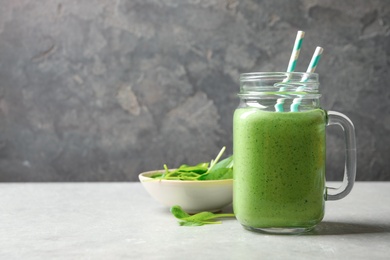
(291, 66)
(314, 61)
(310, 69)
(296, 50)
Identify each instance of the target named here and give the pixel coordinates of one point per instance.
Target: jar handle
(336, 118)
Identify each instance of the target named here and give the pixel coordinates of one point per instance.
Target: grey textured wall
(102, 90)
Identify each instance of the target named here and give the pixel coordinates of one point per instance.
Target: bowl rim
(144, 176)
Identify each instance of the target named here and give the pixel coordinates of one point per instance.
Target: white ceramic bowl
(192, 196)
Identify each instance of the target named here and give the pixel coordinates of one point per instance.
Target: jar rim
(293, 75)
(279, 84)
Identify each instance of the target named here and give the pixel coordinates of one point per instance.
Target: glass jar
(279, 153)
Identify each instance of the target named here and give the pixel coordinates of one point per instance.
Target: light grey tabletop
(121, 221)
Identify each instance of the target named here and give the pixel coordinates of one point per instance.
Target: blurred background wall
(103, 90)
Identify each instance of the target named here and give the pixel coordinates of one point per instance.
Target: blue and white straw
(310, 69)
(291, 66)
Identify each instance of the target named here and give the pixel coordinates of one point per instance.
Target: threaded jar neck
(279, 85)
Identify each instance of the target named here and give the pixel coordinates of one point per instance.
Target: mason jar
(279, 149)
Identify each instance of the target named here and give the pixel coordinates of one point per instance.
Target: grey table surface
(121, 221)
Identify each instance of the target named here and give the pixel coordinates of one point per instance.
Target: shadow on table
(340, 228)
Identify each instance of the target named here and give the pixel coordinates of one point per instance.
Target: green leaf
(221, 171)
(215, 161)
(202, 216)
(190, 223)
(173, 174)
(197, 169)
(218, 174)
(178, 212)
(195, 223)
(214, 170)
(157, 175)
(189, 176)
(199, 219)
(225, 163)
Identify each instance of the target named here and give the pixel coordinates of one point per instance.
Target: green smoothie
(279, 168)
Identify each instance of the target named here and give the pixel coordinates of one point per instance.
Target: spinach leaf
(179, 213)
(214, 170)
(218, 174)
(198, 219)
(221, 171)
(199, 168)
